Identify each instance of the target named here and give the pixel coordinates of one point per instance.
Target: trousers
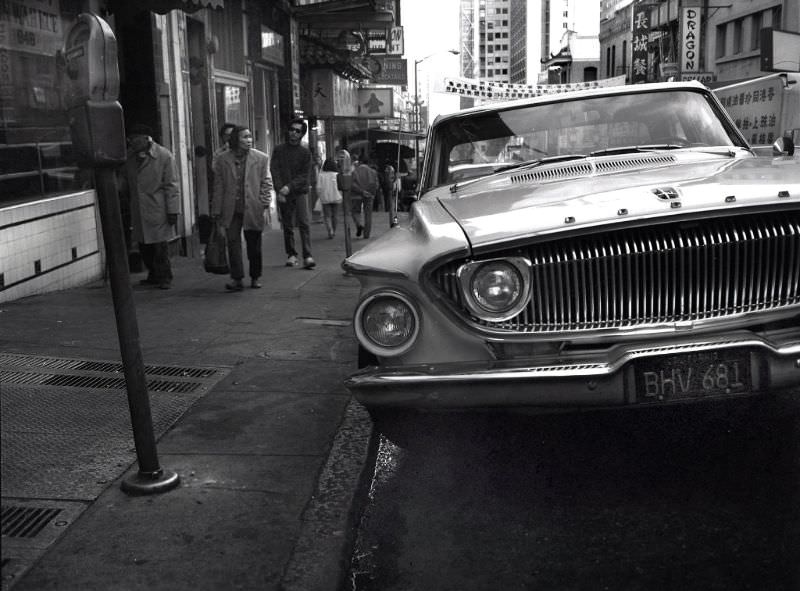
(252, 239)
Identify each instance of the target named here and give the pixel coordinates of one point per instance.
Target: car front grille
(649, 276)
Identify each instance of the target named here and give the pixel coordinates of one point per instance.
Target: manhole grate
(26, 522)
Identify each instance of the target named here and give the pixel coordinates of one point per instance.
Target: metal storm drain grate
(75, 373)
(26, 522)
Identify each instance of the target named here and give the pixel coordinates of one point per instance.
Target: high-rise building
(515, 41)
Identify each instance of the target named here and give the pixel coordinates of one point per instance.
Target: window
(608, 62)
(755, 30)
(737, 35)
(36, 157)
(722, 33)
(624, 56)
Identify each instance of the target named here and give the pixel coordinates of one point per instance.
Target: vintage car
(607, 247)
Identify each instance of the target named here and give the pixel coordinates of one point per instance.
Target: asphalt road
(701, 497)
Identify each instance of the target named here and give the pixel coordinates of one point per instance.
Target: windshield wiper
(634, 149)
(540, 161)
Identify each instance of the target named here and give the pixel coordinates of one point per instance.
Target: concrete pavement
(271, 451)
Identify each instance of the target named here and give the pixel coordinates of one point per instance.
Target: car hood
(577, 194)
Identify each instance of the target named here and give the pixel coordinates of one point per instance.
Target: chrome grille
(638, 277)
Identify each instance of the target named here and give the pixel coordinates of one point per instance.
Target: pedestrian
(149, 179)
(242, 194)
(291, 171)
(364, 188)
(224, 141)
(330, 194)
(388, 178)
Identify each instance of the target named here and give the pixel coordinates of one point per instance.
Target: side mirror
(783, 146)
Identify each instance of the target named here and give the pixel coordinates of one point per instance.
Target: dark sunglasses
(295, 130)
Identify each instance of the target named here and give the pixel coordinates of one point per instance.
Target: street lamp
(416, 88)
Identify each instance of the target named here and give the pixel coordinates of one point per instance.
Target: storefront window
(36, 157)
(231, 104)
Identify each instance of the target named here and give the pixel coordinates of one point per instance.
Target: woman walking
(329, 194)
(242, 194)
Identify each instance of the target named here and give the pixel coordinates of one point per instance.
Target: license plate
(693, 375)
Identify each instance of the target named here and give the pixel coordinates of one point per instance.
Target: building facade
(689, 39)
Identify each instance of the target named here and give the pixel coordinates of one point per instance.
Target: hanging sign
(640, 27)
(690, 39)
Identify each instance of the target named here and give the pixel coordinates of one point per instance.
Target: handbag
(216, 256)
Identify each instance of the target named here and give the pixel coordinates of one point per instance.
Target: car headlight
(386, 323)
(497, 289)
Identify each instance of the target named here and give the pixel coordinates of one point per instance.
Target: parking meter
(91, 91)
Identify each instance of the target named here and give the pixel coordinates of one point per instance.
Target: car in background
(602, 248)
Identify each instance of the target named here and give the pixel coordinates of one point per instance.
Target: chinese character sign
(690, 40)
(755, 109)
(640, 29)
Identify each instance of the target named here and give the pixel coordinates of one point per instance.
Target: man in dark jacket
(362, 193)
(291, 171)
(150, 180)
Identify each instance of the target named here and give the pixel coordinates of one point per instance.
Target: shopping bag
(216, 257)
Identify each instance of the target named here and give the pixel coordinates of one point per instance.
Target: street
(698, 497)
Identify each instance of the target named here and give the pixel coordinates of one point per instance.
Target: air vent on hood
(593, 166)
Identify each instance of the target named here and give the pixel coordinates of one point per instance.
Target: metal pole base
(150, 483)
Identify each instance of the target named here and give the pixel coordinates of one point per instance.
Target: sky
(431, 28)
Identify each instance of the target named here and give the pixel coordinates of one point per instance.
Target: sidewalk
(270, 449)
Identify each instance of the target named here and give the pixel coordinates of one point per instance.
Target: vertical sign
(640, 28)
(295, 49)
(690, 39)
(395, 41)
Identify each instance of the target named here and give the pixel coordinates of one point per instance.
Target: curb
(320, 559)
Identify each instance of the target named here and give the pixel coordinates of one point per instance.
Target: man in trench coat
(150, 179)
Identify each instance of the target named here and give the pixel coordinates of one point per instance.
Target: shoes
(255, 284)
(164, 285)
(359, 231)
(309, 263)
(291, 261)
(235, 286)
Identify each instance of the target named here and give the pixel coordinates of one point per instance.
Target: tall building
(529, 41)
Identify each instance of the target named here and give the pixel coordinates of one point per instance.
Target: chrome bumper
(579, 381)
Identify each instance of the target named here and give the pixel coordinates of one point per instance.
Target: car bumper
(587, 380)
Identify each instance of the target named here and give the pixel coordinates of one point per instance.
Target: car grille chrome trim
(592, 166)
(655, 276)
(612, 362)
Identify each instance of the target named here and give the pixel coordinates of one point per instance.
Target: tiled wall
(49, 245)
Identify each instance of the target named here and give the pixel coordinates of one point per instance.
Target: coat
(257, 189)
(153, 191)
(365, 182)
(327, 188)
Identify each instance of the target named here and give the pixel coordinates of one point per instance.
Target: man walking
(150, 178)
(363, 190)
(291, 171)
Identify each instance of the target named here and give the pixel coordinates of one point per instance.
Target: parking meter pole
(151, 478)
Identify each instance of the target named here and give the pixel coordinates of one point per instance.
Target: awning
(164, 6)
(325, 14)
(318, 54)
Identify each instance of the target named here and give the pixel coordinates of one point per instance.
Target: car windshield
(484, 142)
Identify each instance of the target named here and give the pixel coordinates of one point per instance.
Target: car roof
(573, 94)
